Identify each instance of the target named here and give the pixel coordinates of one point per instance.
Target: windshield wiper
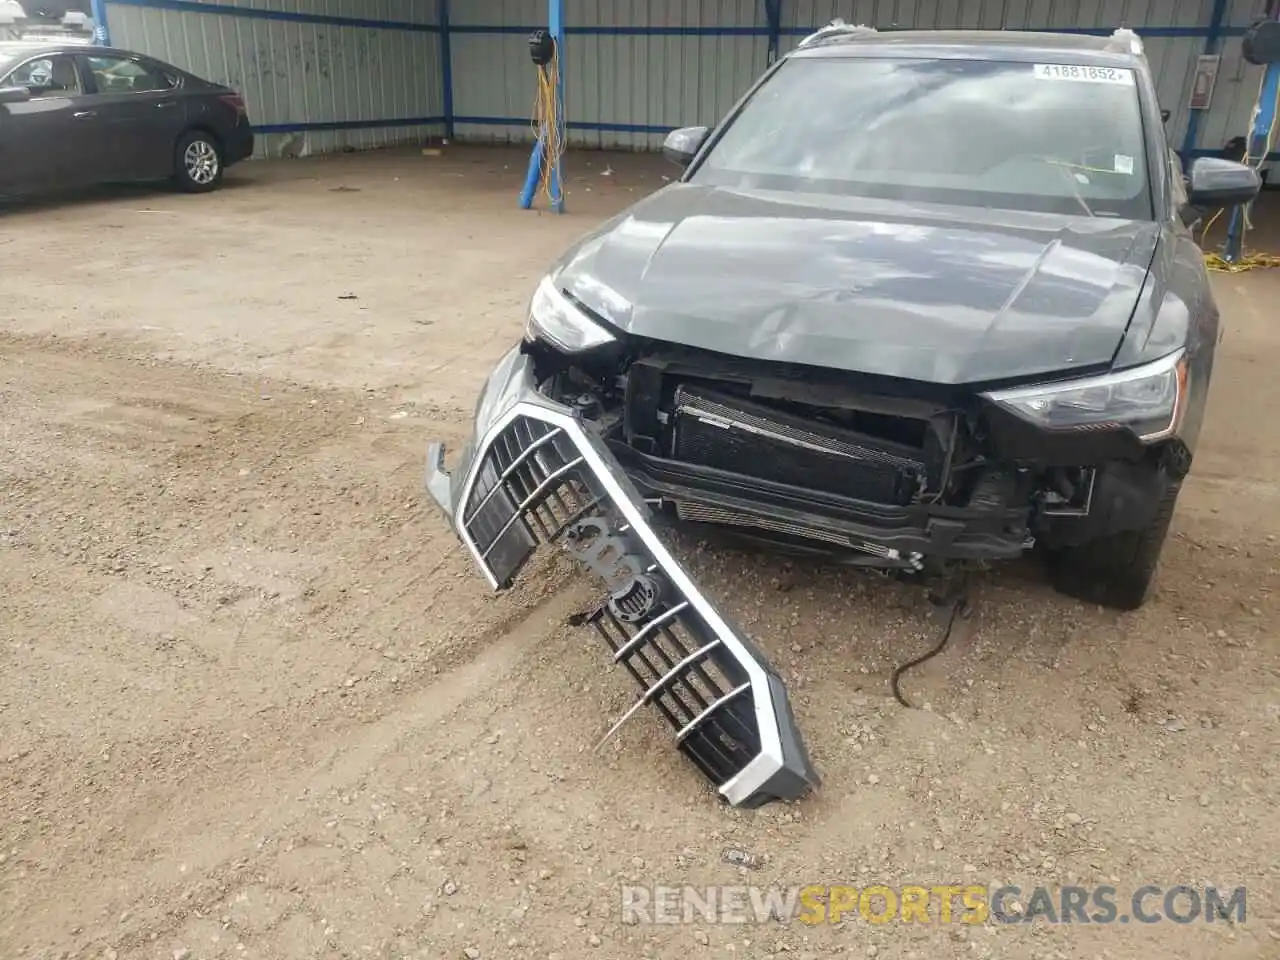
(1064, 168)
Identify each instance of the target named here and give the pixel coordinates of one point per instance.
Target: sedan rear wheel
(198, 166)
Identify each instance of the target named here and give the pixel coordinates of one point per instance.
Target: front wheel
(1116, 571)
(198, 163)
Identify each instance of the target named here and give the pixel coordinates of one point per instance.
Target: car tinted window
(120, 75)
(53, 76)
(993, 134)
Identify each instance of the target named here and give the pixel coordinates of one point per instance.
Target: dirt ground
(255, 703)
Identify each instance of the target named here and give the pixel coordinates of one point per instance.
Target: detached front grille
(527, 490)
(545, 481)
(716, 430)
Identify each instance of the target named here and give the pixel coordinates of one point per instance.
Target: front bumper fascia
(532, 473)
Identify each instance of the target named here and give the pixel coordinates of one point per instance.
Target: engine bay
(824, 443)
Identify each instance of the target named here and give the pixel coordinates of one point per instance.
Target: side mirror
(682, 145)
(1165, 114)
(14, 94)
(1217, 183)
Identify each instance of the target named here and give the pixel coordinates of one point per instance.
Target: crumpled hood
(947, 295)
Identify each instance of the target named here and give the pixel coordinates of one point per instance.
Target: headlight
(1149, 400)
(554, 318)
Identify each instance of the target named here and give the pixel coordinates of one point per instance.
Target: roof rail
(836, 28)
(1126, 40)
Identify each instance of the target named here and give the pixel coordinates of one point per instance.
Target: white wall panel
(298, 73)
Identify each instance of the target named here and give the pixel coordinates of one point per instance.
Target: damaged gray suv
(920, 300)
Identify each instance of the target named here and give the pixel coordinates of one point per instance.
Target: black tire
(1115, 571)
(197, 162)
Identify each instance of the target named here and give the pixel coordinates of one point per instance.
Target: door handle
(84, 114)
(165, 104)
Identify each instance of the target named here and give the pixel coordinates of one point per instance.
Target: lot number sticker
(1072, 71)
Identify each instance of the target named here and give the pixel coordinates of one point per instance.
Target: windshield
(1040, 137)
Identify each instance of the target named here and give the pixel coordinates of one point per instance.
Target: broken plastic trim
(535, 474)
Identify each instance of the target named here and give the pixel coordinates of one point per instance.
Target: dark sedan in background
(74, 116)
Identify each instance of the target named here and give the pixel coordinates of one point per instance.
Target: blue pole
(532, 177)
(101, 35)
(446, 69)
(1211, 41)
(555, 24)
(539, 156)
(773, 14)
(1263, 121)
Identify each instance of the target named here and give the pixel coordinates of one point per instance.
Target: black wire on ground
(959, 607)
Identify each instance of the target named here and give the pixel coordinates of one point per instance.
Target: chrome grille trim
(631, 645)
(715, 705)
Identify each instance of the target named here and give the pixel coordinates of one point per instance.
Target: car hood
(942, 294)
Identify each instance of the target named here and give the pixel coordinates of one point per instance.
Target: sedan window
(120, 75)
(54, 76)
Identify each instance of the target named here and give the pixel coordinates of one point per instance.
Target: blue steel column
(555, 20)
(101, 35)
(773, 14)
(1263, 121)
(541, 154)
(446, 69)
(1212, 39)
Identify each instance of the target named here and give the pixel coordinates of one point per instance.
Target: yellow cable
(546, 122)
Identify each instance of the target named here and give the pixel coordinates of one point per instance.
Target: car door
(141, 112)
(50, 140)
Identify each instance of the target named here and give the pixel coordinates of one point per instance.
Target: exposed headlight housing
(1149, 400)
(556, 320)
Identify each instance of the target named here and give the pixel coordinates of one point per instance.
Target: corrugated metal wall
(636, 68)
(1231, 112)
(326, 74)
(318, 75)
(633, 68)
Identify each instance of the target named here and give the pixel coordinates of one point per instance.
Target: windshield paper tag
(1124, 164)
(1072, 71)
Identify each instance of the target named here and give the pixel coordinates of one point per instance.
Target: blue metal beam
(286, 16)
(542, 154)
(101, 33)
(1214, 36)
(446, 68)
(1149, 32)
(347, 124)
(773, 14)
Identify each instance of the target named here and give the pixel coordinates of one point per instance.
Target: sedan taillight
(236, 102)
